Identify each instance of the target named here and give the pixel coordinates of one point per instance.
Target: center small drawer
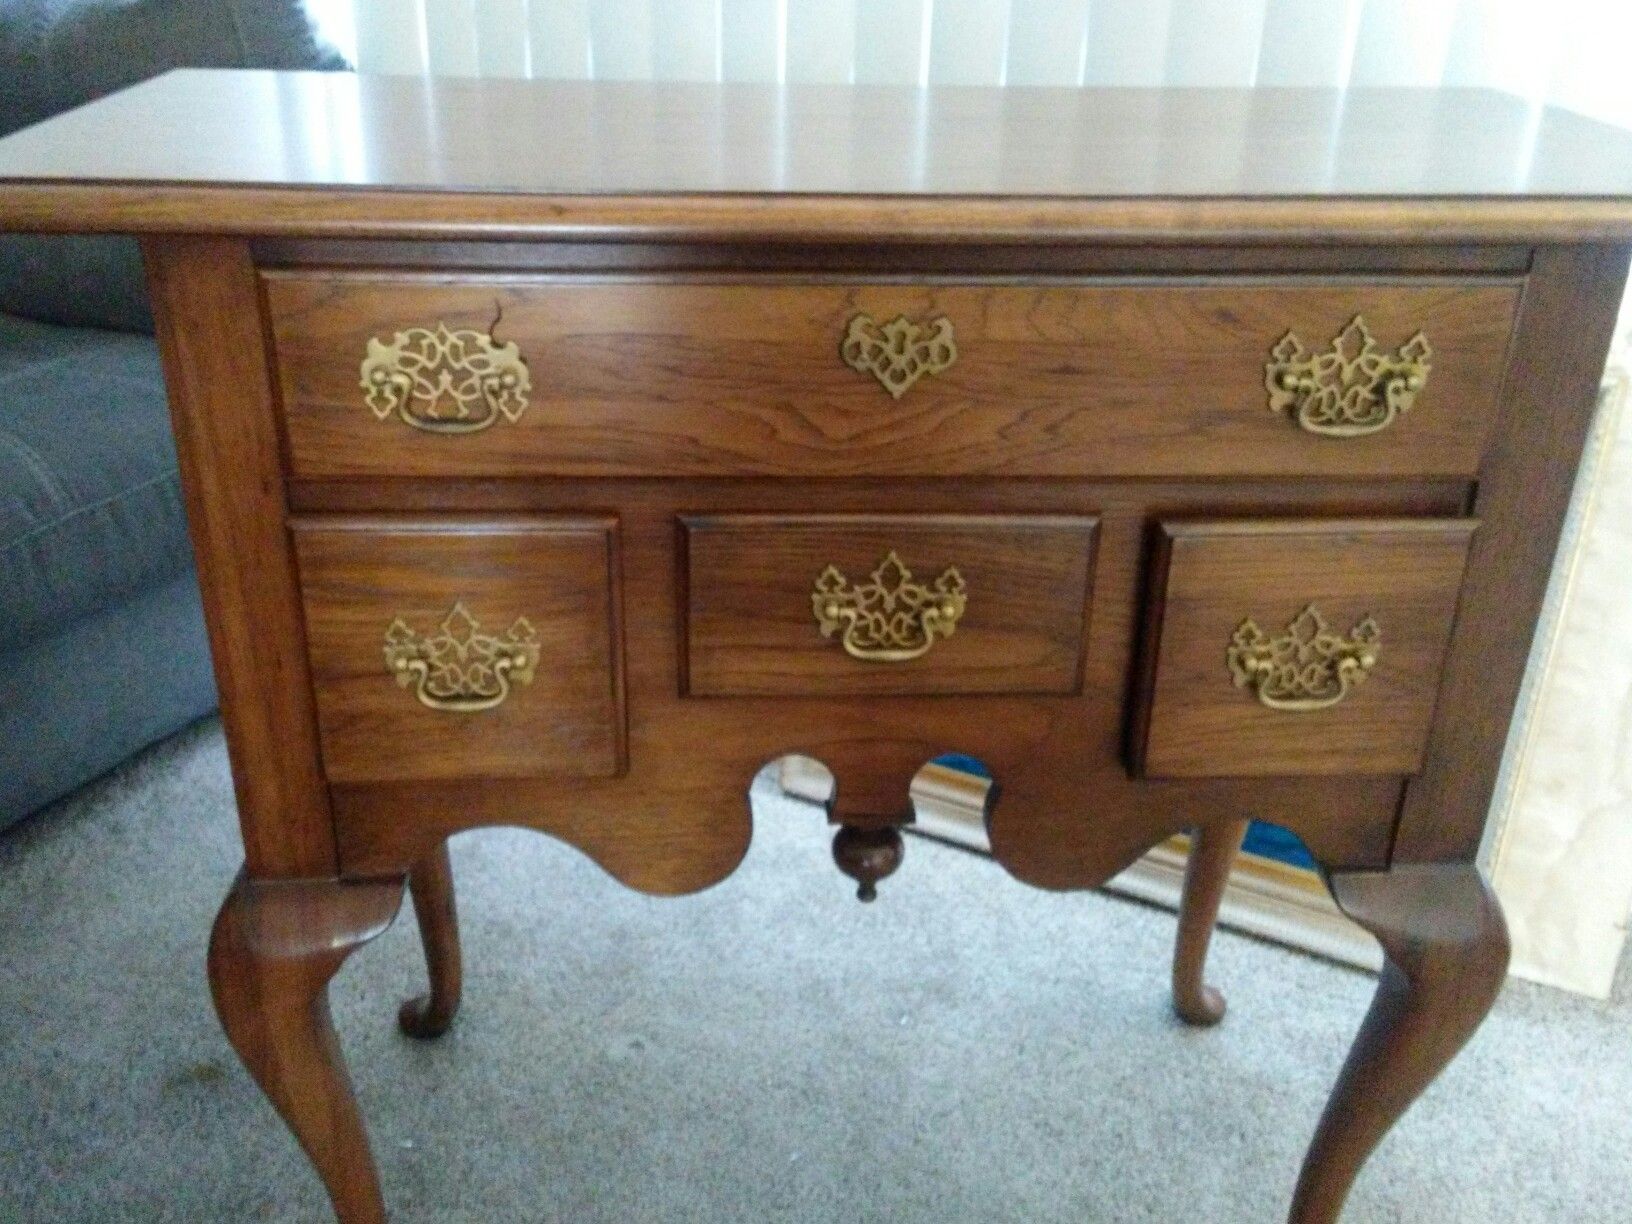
(404, 375)
(863, 605)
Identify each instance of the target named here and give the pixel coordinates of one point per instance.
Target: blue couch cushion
(90, 504)
(58, 54)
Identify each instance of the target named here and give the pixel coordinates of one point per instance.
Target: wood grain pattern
(208, 313)
(1069, 814)
(1210, 576)
(628, 159)
(366, 214)
(750, 630)
(358, 576)
(679, 379)
(1524, 488)
(274, 947)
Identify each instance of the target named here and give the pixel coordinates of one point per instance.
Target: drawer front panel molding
(693, 378)
(772, 608)
(1343, 682)
(505, 635)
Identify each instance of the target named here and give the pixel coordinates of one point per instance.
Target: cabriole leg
(1446, 949)
(1213, 850)
(275, 946)
(430, 884)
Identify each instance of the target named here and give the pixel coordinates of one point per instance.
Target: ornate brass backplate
(900, 352)
(459, 668)
(1308, 667)
(445, 381)
(1350, 390)
(889, 618)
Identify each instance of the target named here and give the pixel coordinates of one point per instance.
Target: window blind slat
(558, 39)
(450, 37)
(1127, 42)
(891, 43)
(620, 39)
(685, 40)
(821, 41)
(1047, 39)
(501, 37)
(1402, 42)
(390, 36)
(1214, 42)
(968, 42)
(751, 33)
(1308, 42)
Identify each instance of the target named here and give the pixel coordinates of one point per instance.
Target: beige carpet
(968, 1049)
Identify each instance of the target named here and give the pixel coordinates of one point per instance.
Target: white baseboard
(1265, 898)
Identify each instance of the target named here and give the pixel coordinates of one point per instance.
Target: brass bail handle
(890, 618)
(1307, 666)
(1352, 389)
(457, 668)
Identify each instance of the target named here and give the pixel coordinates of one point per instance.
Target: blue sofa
(102, 647)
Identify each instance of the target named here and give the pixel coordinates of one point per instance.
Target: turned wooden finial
(867, 856)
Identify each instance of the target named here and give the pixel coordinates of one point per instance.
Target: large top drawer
(422, 375)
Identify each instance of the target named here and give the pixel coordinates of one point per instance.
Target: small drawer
(853, 605)
(1295, 647)
(398, 374)
(443, 649)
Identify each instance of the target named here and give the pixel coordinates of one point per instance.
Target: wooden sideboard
(557, 455)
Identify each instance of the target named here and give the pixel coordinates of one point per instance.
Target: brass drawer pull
(459, 668)
(890, 618)
(1308, 667)
(900, 352)
(1350, 390)
(445, 381)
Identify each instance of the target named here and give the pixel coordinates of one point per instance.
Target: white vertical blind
(1047, 42)
(1402, 42)
(821, 41)
(1571, 51)
(892, 42)
(386, 35)
(1308, 42)
(686, 40)
(1127, 43)
(501, 43)
(557, 38)
(968, 41)
(450, 36)
(751, 36)
(620, 39)
(1216, 42)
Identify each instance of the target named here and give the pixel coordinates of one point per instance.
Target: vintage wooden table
(557, 454)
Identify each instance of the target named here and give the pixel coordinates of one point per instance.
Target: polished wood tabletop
(521, 157)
